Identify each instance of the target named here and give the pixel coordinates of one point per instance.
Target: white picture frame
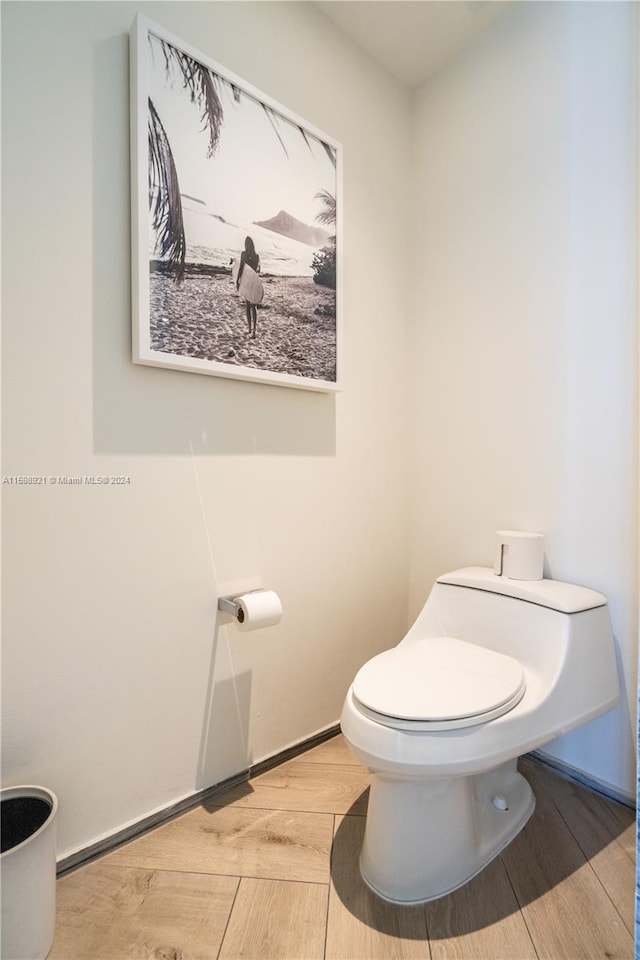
(216, 163)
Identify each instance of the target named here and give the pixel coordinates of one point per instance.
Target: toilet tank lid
(563, 597)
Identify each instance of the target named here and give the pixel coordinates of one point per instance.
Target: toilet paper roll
(519, 555)
(260, 608)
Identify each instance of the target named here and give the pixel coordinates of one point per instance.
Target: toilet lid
(438, 683)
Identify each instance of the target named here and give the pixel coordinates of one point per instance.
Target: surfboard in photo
(251, 286)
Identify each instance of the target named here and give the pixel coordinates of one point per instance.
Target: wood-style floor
(269, 871)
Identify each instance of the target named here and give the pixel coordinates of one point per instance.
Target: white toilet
(491, 669)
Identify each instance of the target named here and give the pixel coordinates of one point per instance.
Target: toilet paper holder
(231, 606)
(253, 609)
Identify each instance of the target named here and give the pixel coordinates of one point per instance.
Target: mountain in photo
(286, 225)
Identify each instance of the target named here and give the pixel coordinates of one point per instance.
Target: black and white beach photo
(237, 247)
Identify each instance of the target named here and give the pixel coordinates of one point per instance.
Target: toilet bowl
(491, 669)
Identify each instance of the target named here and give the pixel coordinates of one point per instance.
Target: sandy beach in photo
(204, 317)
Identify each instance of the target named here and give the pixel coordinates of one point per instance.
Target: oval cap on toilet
(439, 683)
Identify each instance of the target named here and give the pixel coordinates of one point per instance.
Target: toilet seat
(439, 683)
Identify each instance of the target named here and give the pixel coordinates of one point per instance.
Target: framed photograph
(236, 224)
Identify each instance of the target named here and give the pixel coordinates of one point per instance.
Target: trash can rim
(38, 793)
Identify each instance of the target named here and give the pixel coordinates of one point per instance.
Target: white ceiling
(412, 38)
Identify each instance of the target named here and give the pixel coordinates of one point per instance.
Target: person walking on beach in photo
(251, 259)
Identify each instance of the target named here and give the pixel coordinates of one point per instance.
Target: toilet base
(425, 838)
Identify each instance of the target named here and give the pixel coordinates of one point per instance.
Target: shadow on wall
(147, 410)
(224, 743)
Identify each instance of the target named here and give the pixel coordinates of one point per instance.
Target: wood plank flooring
(269, 871)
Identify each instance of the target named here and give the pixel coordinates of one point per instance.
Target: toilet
(491, 669)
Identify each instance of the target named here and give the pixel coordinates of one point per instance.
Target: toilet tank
(560, 632)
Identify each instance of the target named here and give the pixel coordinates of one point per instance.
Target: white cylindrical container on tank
(519, 555)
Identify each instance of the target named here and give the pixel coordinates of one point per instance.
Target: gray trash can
(28, 869)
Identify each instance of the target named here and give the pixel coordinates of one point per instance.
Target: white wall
(118, 692)
(525, 323)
